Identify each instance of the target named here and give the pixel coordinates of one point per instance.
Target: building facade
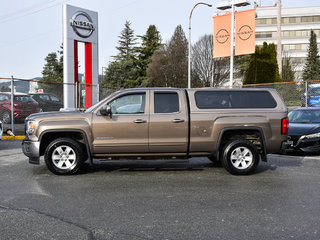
(296, 26)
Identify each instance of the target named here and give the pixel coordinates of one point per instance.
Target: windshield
(23, 98)
(304, 116)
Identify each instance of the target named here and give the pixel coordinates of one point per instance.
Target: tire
(6, 117)
(240, 157)
(64, 156)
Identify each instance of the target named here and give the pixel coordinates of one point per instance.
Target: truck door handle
(177, 120)
(139, 121)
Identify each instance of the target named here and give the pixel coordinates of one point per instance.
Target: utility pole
(279, 46)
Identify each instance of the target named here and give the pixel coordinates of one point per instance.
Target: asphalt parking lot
(159, 200)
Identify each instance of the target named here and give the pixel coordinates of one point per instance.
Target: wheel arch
(230, 133)
(78, 135)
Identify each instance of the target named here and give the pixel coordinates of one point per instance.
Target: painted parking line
(12, 138)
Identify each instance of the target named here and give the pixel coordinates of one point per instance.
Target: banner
(245, 32)
(222, 36)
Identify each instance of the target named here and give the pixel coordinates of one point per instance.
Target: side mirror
(106, 111)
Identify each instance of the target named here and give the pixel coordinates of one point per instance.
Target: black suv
(47, 101)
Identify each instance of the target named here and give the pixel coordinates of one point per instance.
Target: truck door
(168, 127)
(127, 130)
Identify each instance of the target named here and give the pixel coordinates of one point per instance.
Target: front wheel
(64, 156)
(240, 157)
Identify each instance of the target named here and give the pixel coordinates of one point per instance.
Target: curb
(12, 138)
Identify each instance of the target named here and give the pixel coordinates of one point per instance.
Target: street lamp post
(189, 54)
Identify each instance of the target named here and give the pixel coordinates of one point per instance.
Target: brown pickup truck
(235, 126)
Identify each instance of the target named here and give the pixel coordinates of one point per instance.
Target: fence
(33, 95)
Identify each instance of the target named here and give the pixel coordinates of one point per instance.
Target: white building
(296, 26)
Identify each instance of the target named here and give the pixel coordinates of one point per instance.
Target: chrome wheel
(241, 158)
(64, 157)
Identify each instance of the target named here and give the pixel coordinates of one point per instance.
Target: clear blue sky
(31, 29)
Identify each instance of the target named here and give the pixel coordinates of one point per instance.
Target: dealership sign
(79, 25)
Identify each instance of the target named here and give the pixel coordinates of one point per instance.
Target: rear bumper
(31, 150)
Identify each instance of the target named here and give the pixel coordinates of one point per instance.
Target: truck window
(129, 104)
(234, 99)
(166, 102)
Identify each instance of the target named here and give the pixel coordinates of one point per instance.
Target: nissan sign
(82, 24)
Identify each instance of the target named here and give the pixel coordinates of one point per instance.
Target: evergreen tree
(122, 71)
(169, 67)
(311, 69)
(287, 72)
(127, 42)
(53, 74)
(263, 67)
(151, 42)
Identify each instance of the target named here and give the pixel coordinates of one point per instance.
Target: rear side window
(166, 102)
(234, 99)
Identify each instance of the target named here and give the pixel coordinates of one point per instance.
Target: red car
(23, 106)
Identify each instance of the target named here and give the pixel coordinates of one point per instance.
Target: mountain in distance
(22, 86)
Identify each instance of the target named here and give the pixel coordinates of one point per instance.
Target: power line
(8, 19)
(26, 9)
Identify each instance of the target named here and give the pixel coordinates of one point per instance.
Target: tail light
(284, 126)
(311, 96)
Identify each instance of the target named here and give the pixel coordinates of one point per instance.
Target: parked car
(313, 96)
(47, 102)
(23, 106)
(1, 129)
(304, 129)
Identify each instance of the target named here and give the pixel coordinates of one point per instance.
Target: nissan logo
(245, 32)
(222, 36)
(82, 24)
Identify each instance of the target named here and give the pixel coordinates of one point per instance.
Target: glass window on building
(285, 20)
(292, 20)
(262, 21)
(269, 21)
(286, 34)
(307, 19)
(298, 34)
(285, 47)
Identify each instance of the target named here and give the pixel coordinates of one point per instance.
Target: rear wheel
(240, 157)
(64, 156)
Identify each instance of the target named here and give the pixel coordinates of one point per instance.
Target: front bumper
(31, 150)
(305, 144)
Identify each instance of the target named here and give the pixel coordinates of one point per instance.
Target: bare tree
(207, 71)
